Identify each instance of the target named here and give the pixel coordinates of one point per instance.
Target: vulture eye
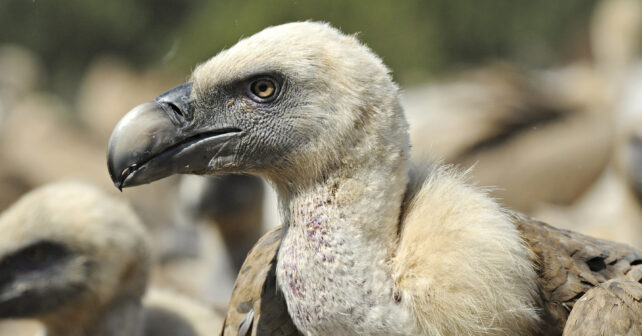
(263, 89)
(37, 256)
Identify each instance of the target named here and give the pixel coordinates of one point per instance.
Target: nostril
(175, 109)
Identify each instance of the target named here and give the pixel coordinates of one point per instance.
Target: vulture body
(368, 245)
(78, 261)
(486, 118)
(233, 203)
(569, 265)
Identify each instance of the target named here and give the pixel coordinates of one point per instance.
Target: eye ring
(263, 89)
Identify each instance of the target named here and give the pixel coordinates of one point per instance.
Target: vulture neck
(341, 233)
(123, 317)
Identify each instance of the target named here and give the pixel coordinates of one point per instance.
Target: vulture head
(67, 251)
(290, 103)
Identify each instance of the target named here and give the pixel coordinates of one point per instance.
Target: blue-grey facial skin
(39, 279)
(226, 129)
(269, 133)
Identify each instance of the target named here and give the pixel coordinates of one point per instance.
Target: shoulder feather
(461, 265)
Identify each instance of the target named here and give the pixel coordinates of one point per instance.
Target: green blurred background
(418, 39)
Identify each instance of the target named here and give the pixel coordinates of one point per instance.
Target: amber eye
(264, 88)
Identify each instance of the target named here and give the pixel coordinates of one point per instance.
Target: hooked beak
(157, 139)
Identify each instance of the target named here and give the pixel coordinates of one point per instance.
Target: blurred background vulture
(79, 262)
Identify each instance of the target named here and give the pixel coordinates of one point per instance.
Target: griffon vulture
(364, 249)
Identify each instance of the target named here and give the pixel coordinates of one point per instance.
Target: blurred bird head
(290, 103)
(69, 249)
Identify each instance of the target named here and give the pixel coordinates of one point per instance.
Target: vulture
(368, 245)
(233, 203)
(486, 117)
(78, 261)
(612, 207)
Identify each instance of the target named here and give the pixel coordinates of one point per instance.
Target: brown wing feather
(570, 264)
(257, 307)
(612, 308)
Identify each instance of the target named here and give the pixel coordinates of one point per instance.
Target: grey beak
(156, 140)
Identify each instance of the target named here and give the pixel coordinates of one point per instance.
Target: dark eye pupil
(263, 88)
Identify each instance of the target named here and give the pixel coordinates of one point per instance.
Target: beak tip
(119, 182)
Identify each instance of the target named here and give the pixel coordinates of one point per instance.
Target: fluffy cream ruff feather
(461, 266)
